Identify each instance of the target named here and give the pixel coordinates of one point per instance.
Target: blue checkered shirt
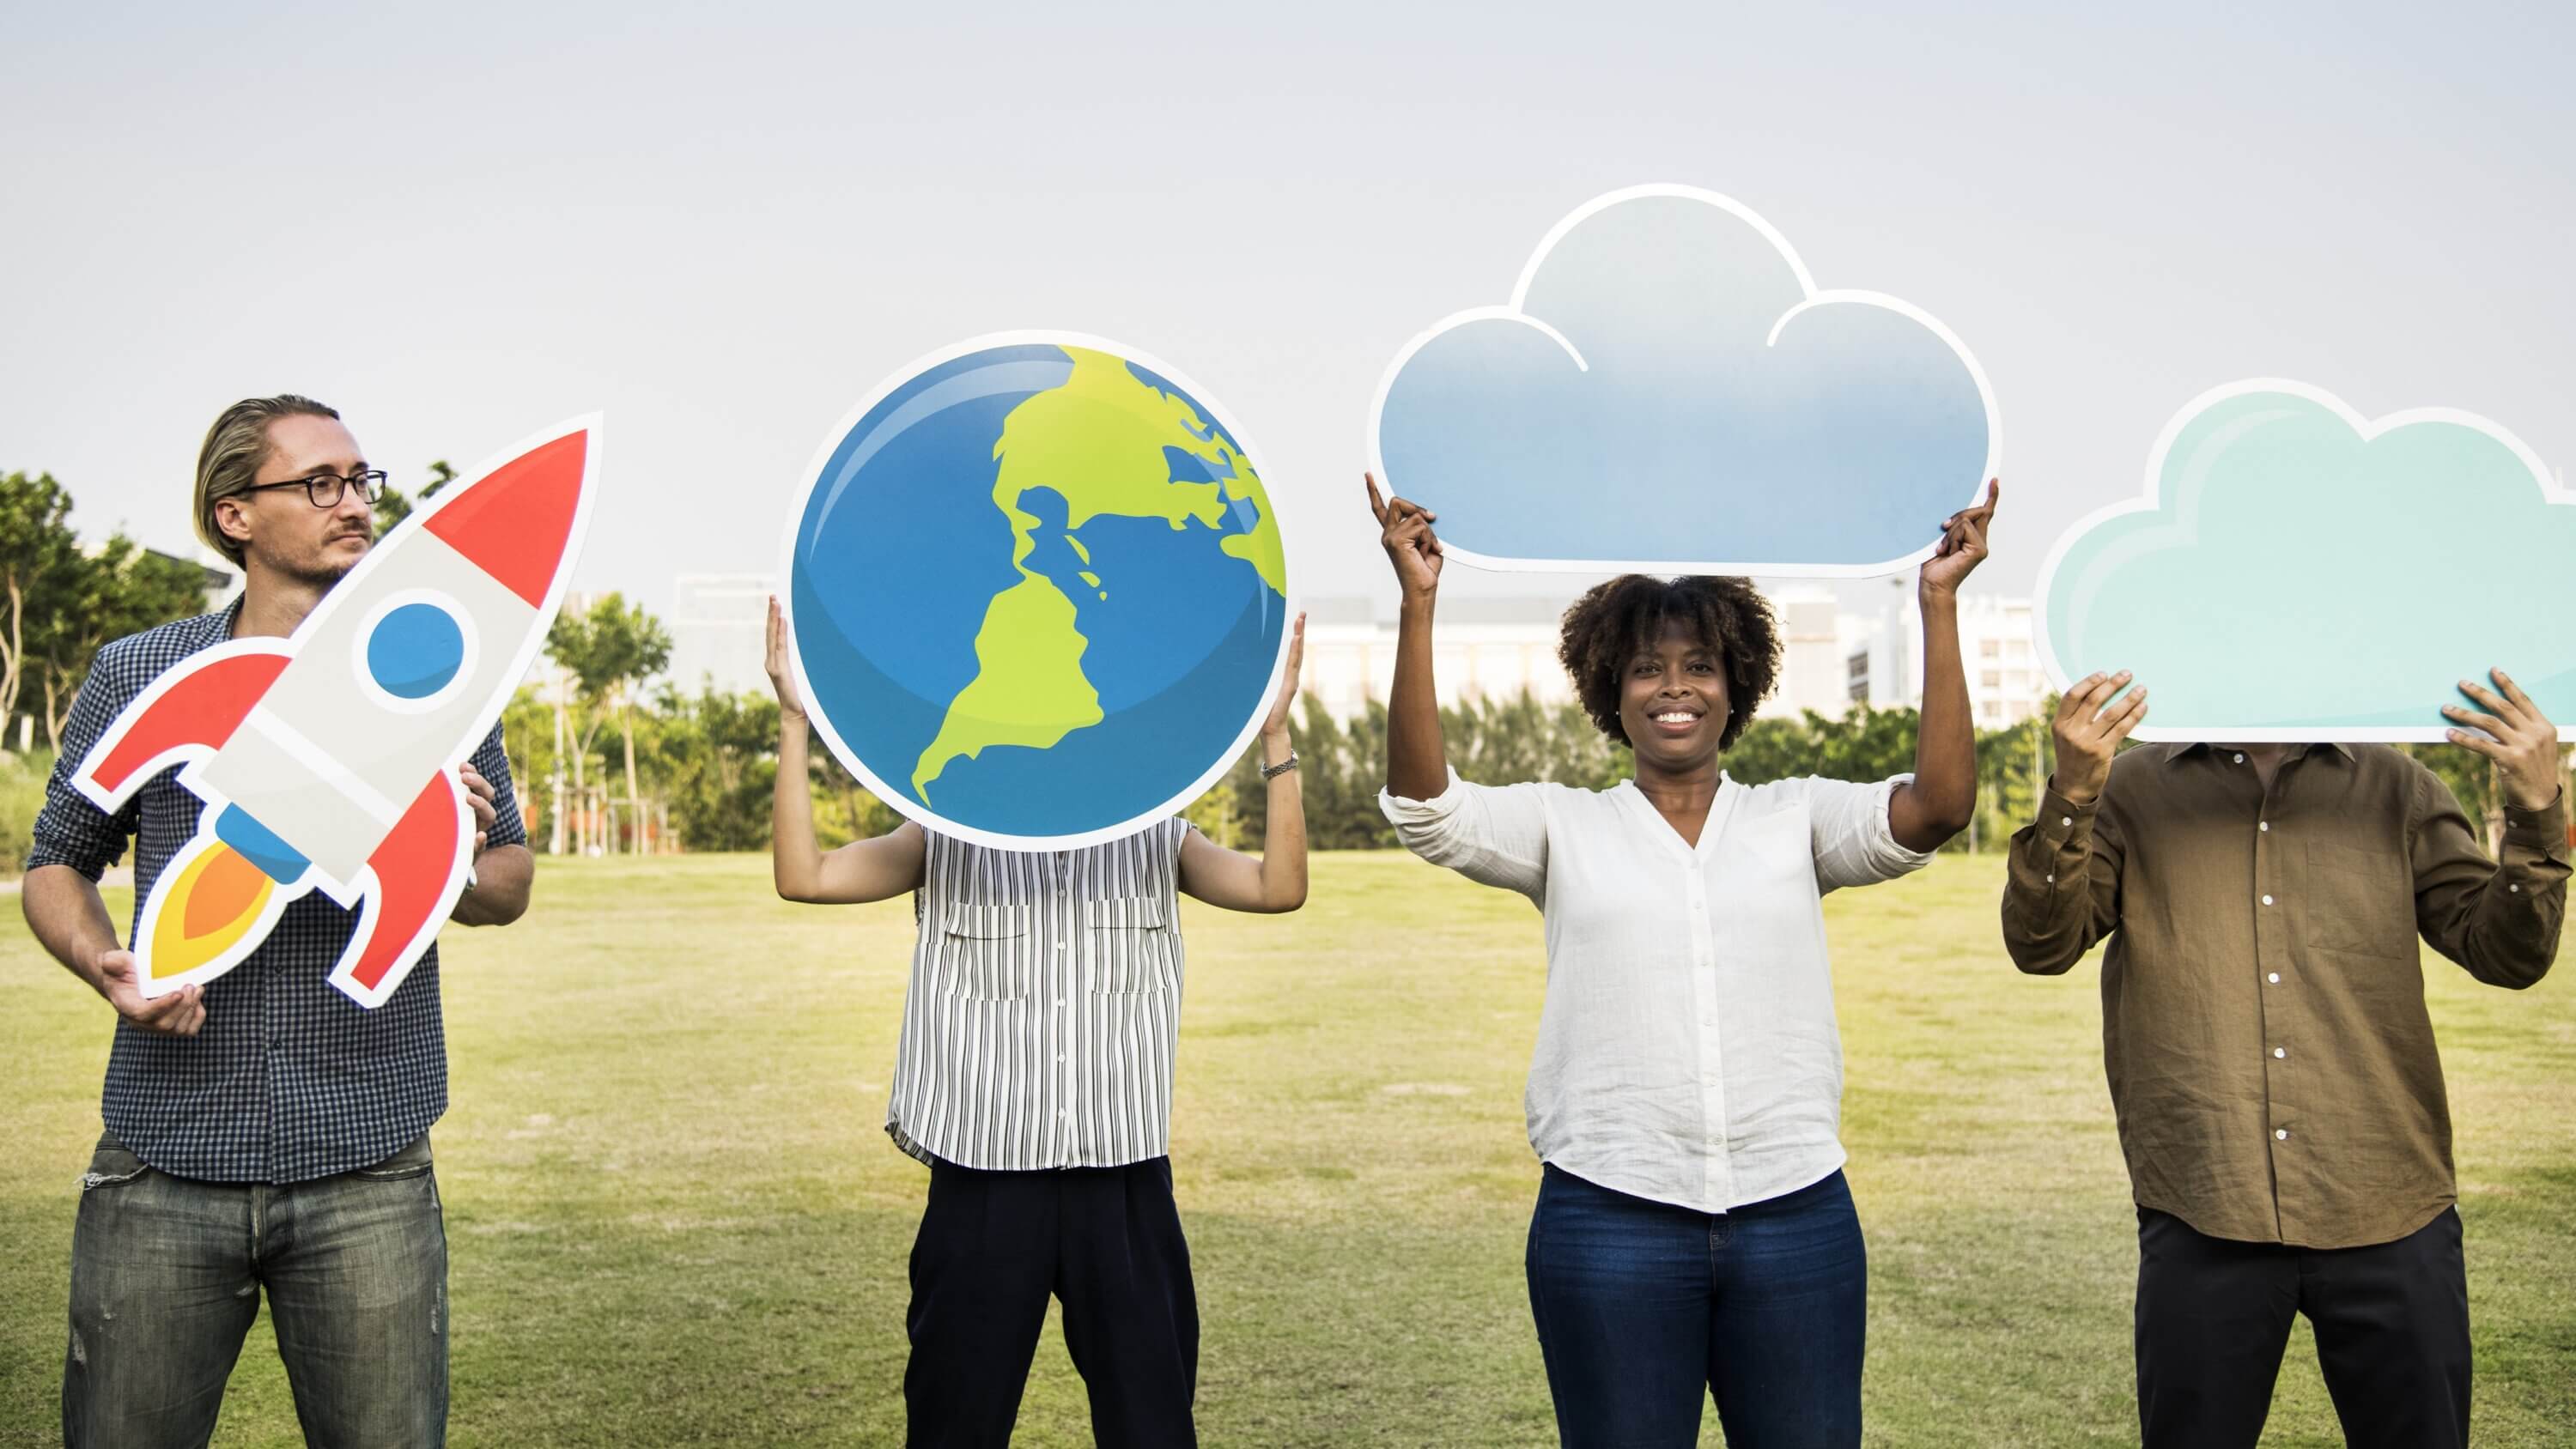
(289, 1079)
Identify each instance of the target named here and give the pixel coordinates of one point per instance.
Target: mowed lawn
(674, 1218)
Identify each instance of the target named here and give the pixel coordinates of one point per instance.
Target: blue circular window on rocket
(415, 651)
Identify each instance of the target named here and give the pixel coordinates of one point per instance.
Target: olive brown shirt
(2263, 1021)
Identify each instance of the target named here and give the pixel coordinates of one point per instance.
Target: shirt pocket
(988, 953)
(2360, 901)
(1133, 946)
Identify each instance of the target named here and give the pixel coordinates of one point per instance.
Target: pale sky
(724, 224)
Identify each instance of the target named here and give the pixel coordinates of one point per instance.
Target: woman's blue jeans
(1642, 1305)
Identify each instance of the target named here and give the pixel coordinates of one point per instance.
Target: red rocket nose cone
(515, 520)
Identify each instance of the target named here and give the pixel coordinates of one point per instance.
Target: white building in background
(1883, 659)
(718, 627)
(1488, 648)
(1484, 649)
(1495, 648)
(1812, 669)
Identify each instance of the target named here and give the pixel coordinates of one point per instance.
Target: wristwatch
(1273, 772)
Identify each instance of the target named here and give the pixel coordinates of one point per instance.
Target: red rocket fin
(418, 872)
(197, 705)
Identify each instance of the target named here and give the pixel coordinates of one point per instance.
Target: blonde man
(264, 1133)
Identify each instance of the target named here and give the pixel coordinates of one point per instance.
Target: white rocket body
(328, 768)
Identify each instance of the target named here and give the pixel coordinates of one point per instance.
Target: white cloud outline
(2368, 430)
(922, 815)
(1814, 298)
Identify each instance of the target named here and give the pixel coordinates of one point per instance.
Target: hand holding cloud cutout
(1669, 392)
(2297, 572)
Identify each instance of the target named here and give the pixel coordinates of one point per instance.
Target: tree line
(60, 601)
(609, 756)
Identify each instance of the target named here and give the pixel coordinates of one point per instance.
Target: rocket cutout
(328, 760)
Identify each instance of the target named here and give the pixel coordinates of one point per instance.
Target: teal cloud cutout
(2298, 572)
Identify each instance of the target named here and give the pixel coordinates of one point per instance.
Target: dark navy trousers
(995, 1246)
(2391, 1321)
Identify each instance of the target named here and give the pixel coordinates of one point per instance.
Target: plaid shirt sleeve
(493, 763)
(70, 830)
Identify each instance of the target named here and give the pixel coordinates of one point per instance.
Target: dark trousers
(994, 1246)
(166, 1278)
(1643, 1307)
(2391, 1320)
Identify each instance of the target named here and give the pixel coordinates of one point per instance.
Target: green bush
(22, 794)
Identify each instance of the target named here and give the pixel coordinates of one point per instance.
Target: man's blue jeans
(1643, 1306)
(166, 1279)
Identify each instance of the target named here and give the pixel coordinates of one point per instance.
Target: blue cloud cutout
(2296, 572)
(1668, 391)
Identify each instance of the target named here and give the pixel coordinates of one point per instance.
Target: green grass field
(674, 1219)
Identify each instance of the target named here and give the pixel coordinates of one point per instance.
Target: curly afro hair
(1607, 627)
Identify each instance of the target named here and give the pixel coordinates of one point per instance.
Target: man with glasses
(264, 1132)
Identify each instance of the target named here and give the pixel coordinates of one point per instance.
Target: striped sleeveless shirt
(1044, 1005)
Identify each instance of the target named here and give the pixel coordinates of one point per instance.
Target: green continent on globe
(1097, 439)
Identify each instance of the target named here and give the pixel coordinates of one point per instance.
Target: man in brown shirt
(2279, 1094)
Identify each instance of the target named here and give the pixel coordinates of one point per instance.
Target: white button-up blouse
(1687, 1050)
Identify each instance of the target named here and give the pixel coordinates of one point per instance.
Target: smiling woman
(1614, 644)
(1693, 1231)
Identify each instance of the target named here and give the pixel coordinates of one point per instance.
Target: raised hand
(782, 678)
(1404, 529)
(2088, 734)
(1963, 544)
(1276, 726)
(2524, 744)
(177, 1013)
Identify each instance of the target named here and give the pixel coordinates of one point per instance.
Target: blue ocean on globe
(1037, 592)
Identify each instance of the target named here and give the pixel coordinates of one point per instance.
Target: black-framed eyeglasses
(325, 488)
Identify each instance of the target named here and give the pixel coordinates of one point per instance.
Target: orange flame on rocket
(210, 900)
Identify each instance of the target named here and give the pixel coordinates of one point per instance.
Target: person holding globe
(1693, 1232)
(1034, 1079)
